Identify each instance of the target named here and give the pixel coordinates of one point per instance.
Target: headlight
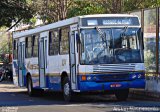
(89, 78)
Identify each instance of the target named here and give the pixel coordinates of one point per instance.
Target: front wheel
(29, 87)
(67, 93)
(122, 95)
(31, 91)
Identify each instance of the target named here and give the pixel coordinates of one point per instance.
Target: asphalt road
(13, 99)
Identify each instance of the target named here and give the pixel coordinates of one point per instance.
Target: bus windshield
(121, 45)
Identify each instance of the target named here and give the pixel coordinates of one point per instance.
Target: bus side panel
(53, 78)
(28, 64)
(57, 65)
(54, 82)
(34, 68)
(64, 64)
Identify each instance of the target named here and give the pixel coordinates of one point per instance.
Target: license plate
(115, 85)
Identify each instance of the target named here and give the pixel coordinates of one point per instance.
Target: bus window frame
(53, 43)
(60, 39)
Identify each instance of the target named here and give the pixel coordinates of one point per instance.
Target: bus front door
(21, 63)
(73, 62)
(42, 60)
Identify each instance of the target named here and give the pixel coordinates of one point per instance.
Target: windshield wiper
(125, 29)
(102, 34)
(123, 34)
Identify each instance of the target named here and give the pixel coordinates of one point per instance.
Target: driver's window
(133, 42)
(124, 42)
(129, 42)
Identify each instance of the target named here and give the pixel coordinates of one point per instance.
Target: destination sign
(118, 21)
(110, 21)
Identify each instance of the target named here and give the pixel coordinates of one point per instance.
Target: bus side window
(35, 46)
(28, 47)
(53, 42)
(64, 42)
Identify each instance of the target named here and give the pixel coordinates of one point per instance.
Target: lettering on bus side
(32, 66)
(64, 62)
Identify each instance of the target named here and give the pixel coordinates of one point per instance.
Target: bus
(91, 53)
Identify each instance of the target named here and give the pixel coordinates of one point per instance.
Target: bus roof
(63, 23)
(108, 15)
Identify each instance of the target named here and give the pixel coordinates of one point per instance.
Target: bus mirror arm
(142, 40)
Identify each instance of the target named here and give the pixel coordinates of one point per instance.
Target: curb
(145, 95)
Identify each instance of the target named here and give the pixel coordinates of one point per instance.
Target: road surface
(14, 99)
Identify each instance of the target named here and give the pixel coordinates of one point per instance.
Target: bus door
(42, 60)
(73, 58)
(21, 63)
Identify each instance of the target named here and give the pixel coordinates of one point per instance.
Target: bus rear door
(21, 63)
(42, 59)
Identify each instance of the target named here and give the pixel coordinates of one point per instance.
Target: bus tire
(67, 93)
(122, 95)
(30, 90)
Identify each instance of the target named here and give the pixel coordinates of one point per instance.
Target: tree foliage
(130, 5)
(85, 7)
(5, 45)
(14, 10)
(52, 10)
(111, 6)
(55, 10)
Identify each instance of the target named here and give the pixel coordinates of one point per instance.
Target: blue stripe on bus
(53, 83)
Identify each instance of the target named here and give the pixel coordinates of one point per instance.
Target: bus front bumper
(104, 86)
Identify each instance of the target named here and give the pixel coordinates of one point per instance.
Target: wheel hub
(66, 89)
(29, 87)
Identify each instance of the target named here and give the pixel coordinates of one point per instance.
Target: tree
(130, 5)
(52, 10)
(85, 7)
(14, 11)
(5, 45)
(111, 6)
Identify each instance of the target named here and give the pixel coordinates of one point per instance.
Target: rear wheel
(122, 95)
(67, 93)
(31, 91)
(30, 87)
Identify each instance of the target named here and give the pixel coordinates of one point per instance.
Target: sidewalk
(144, 95)
(7, 86)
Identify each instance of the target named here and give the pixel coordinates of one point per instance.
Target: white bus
(91, 53)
